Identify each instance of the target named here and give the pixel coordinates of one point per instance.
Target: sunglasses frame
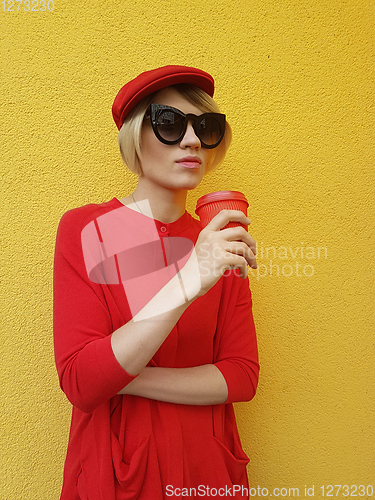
(155, 110)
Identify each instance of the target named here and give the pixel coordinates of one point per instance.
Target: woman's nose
(190, 138)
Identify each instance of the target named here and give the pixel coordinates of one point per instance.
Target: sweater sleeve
(236, 351)
(88, 371)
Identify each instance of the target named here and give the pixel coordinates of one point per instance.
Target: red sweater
(129, 447)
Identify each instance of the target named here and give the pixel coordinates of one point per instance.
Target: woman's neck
(167, 205)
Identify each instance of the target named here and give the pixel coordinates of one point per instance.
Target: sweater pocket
(234, 463)
(228, 444)
(130, 474)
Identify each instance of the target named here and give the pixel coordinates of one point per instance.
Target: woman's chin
(190, 180)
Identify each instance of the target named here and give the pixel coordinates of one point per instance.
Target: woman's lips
(190, 162)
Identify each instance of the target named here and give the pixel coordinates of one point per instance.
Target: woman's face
(180, 166)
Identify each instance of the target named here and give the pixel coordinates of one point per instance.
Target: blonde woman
(153, 327)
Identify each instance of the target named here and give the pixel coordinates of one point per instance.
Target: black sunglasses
(170, 124)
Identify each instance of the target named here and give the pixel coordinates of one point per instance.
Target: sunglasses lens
(170, 125)
(209, 130)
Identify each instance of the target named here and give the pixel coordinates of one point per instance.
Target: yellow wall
(296, 82)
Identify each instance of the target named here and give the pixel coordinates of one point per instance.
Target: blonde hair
(129, 136)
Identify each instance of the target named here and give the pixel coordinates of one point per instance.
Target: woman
(153, 329)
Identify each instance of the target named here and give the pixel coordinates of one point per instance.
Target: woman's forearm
(198, 385)
(136, 342)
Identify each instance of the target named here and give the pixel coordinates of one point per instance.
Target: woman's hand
(218, 250)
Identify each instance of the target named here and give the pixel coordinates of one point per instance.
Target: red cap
(151, 81)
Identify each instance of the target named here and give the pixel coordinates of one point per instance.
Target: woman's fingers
(218, 249)
(243, 250)
(239, 234)
(232, 233)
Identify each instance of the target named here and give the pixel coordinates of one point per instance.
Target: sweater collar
(167, 228)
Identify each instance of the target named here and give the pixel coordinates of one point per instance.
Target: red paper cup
(211, 204)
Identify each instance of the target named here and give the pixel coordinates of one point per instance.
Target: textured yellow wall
(297, 83)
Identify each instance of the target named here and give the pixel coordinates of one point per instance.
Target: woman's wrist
(178, 293)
